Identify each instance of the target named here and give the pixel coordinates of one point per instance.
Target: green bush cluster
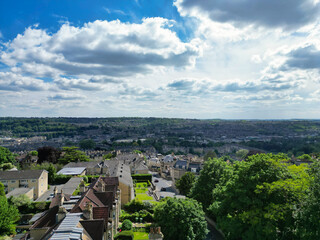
(126, 225)
(144, 214)
(125, 235)
(142, 177)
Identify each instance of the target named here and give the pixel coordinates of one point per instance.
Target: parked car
(156, 180)
(163, 189)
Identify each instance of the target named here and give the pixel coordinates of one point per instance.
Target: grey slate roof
(18, 191)
(23, 174)
(72, 170)
(68, 228)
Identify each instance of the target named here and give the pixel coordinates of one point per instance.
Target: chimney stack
(155, 233)
(87, 212)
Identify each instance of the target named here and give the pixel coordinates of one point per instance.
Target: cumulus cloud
(15, 82)
(273, 13)
(113, 49)
(65, 97)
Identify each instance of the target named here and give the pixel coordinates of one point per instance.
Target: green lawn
(141, 190)
(140, 236)
(143, 196)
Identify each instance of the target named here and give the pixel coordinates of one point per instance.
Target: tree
(126, 225)
(2, 192)
(181, 219)
(87, 144)
(185, 183)
(20, 201)
(6, 166)
(72, 154)
(308, 224)
(242, 153)
(48, 154)
(258, 202)
(215, 172)
(6, 156)
(8, 216)
(33, 153)
(210, 154)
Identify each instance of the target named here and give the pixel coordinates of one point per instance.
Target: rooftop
(23, 174)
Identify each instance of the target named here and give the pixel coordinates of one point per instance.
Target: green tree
(21, 201)
(2, 192)
(87, 144)
(72, 154)
(126, 225)
(308, 224)
(242, 153)
(6, 166)
(33, 153)
(8, 216)
(215, 171)
(185, 183)
(258, 202)
(210, 154)
(6, 156)
(181, 219)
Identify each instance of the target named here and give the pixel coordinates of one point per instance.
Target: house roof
(101, 213)
(18, 191)
(48, 219)
(56, 199)
(72, 170)
(181, 163)
(68, 228)
(23, 174)
(95, 228)
(89, 196)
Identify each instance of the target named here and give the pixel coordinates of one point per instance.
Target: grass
(143, 196)
(141, 190)
(141, 236)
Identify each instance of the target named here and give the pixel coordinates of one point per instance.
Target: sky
(248, 59)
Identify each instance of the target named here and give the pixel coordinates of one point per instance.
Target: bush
(142, 177)
(145, 215)
(125, 235)
(126, 225)
(60, 179)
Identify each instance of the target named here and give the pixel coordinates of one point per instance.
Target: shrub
(126, 225)
(125, 235)
(142, 177)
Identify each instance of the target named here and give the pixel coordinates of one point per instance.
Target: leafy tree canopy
(258, 202)
(72, 154)
(48, 154)
(181, 219)
(185, 183)
(6, 156)
(8, 216)
(215, 171)
(87, 144)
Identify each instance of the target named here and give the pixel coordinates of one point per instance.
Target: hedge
(142, 177)
(125, 235)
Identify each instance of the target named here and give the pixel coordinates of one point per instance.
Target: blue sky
(183, 58)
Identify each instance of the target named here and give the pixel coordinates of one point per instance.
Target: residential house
(34, 179)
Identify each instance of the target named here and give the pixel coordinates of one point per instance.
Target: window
(13, 181)
(33, 180)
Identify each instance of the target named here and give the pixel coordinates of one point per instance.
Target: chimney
(61, 198)
(87, 212)
(155, 233)
(61, 214)
(82, 187)
(55, 191)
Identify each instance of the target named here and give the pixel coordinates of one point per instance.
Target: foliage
(145, 215)
(126, 225)
(215, 171)
(210, 154)
(136, 205)
(2, 192)
(87, 144)
(61, 179)
(125, 235)
(72, 154)
(48, 154)
(143, 196)
(258, 201)
(142, 177)
(181, 219)
(6, 166)
(308, 224)
(6, 156)
(20, 201)
(141, 236)
(185, 183)
(242, 153)
(33, 153)
(108, 156)
(8, 216)
(305, 157)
